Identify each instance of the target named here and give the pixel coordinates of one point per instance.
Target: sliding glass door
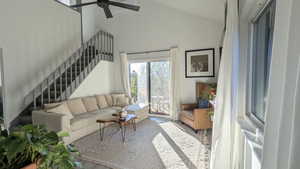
(150, 83)
(139, 82)
(160, 87)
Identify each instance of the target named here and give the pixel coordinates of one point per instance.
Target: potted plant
(32, 147)
(208, 94)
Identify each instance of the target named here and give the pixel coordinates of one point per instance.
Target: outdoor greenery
(134, 85)
(159, 86)
(34, 144)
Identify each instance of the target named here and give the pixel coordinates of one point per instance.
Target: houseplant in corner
(207, 94)
(207, 97)
(32, 147)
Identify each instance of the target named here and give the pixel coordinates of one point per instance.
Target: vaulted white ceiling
(212, 9)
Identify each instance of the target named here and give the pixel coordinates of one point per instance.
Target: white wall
(99, 81)
(102, 78)
(36, 36)
(158, 27)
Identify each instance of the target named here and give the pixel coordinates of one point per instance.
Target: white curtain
(225, 141)
(175, 82)
(125, 73)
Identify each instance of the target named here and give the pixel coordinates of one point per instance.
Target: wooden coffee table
(130, 119)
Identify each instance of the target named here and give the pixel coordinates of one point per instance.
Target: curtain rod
(150, 51)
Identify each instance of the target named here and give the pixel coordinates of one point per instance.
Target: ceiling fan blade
(84, 4)
(126, 6)
(107, 11)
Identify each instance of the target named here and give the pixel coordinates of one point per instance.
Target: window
(150, 83)
(69, 2)
(263, 28)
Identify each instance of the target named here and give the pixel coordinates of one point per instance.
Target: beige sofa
(78, 116)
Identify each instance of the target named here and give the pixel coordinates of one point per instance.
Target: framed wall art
(200, 63)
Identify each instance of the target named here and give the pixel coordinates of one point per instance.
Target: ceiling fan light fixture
(104, 4)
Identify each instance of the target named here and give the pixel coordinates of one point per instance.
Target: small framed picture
(200, 63)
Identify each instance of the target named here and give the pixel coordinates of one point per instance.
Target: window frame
(252, 40)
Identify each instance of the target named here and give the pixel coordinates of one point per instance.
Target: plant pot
(30, 166)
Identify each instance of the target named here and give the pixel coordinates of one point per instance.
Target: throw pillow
(76, 106)
(90, 103)
(122, 101)
(61, 109)
(101, 101)
(109, 100)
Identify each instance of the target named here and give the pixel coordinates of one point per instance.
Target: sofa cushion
(110, 110)
(90, 103)
(87, 119)
(101, 101)
(82, 120)
(115, 98)
(122, 101)
(76, 106)
(61, 109)
(109, 100)
(117, 109)
(51, 105)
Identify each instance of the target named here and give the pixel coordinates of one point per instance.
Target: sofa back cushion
(122, 101)
(90, 103)
(76, 106)
(102, 103)
(115, 98)
(62, 108)
(109, 100)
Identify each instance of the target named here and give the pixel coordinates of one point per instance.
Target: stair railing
(63, 81)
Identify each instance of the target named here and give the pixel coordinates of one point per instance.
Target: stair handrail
(102, 42)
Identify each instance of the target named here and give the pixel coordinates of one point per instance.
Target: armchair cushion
(189, 107)
(187, 114)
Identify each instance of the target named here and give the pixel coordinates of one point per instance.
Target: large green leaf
(52, 138)
(63, 134)
(13, 147)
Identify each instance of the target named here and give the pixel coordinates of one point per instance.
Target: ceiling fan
(105, 5)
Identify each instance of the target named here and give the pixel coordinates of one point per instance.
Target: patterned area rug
(157, 144)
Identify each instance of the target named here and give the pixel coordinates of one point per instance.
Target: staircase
(62, 82)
